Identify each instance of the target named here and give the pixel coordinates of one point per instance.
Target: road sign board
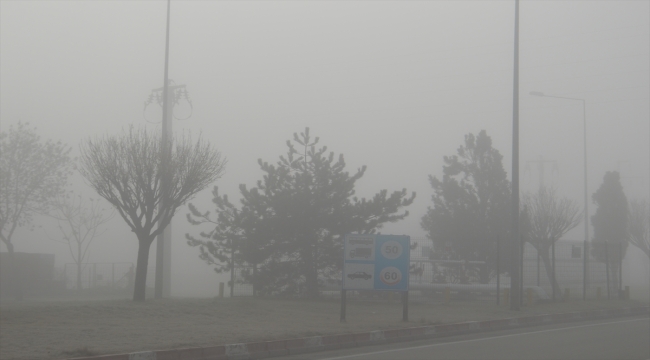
(376, 262)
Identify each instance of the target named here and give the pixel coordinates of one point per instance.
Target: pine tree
(290, 226)
(610, 224)
(471, 204)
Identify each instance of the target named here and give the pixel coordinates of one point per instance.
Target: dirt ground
(61, 329)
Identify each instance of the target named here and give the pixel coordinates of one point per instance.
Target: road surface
(620, 338)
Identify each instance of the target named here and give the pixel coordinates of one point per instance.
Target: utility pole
(515, 242)
(175, 93)
(167, 96)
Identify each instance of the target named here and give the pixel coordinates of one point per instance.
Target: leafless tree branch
(146, 179)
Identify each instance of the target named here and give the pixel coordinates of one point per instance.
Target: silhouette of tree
(471, 204)
(79, 222)
(292, 223)
(32, 173)
(550, 217)
(610, 224)
(128, 171)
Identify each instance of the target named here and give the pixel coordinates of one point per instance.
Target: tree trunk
(311, 271)
(613, 269)
(78, 275)
(14, 285)
(141, 270)
(79, 266)
(544, 255)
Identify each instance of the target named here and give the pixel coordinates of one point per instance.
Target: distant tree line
(289, 227)
(127, 170)
(471, 212)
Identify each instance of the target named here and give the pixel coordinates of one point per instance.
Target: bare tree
(640, 225)
(550, 217)
(128, 171)
(32, 173)
(79, 222)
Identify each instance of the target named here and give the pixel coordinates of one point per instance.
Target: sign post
(343, 304)
(376, 262)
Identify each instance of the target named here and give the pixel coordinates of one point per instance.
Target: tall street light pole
(175, 93)
(167, 96)
(515, 247)
(164, 246)
(586, 241)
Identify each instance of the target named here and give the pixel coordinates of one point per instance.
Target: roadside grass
(36, 329)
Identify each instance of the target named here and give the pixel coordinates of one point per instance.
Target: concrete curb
(265, 349)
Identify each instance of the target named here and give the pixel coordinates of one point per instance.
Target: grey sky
(392, 85)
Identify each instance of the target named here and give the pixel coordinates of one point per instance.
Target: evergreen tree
(610, 224)
(290, 227)
(471, 204)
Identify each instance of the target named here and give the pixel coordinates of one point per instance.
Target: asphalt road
(621, 338)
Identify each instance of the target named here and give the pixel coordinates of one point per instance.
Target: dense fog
(394, 86)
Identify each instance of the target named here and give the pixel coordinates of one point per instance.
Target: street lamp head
(537, 93)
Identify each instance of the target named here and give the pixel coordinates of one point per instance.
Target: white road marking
(482, 339)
